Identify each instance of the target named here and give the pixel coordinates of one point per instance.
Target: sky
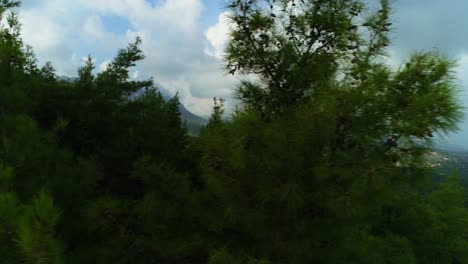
(183, 41)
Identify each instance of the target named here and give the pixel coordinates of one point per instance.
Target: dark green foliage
(218, 112)
(27, 231)
(448, 162)
(115, 166)
(35, 231)
(326, 163)
(325, 160)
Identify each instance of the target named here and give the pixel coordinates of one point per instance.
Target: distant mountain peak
(194, 122)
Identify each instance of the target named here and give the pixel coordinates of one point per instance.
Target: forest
(324, 160)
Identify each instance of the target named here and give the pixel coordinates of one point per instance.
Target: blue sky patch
(116, 24)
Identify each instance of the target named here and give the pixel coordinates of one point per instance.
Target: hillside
(447, 162)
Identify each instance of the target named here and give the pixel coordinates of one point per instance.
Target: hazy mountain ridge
(447, 162)
(183, 110)
(193, 121)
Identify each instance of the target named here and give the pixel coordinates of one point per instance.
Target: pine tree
(328, 154)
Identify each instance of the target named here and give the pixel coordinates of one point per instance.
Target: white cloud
(182, 55)
(85, 59)
(103, 66)
(93, 27)
(199, 105)
(49, 27)
(47, 36)
(181, 15)
(462, 75)
(135, 74)
(174, 42)
(462, 69)
(218, 36)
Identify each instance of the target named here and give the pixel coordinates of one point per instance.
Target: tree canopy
(323, 161)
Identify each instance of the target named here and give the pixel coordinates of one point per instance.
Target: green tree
(329, 151)
(27, 231)
(30, 219)
(36, 231)
(141, 204)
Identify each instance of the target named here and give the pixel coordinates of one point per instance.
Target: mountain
(66, 78)
(447, 162)
(186, 114)
(443, 146)
(193, 121)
